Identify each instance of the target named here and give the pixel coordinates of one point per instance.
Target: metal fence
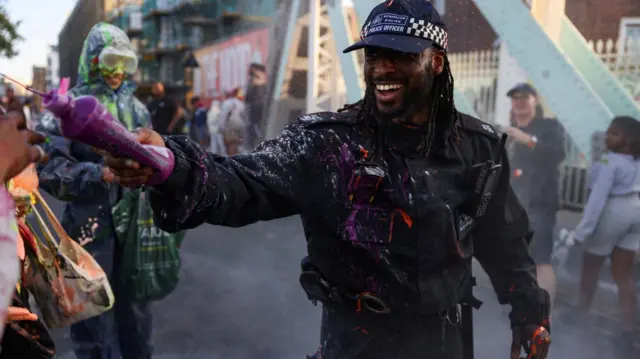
(476, 76)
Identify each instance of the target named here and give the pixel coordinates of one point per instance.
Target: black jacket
(390, 230)
(537, 170)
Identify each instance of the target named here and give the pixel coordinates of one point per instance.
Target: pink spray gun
(85, 119)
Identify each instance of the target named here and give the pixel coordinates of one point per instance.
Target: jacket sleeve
(271, 182)
(597, 200)
(63, 176)
(501, 246)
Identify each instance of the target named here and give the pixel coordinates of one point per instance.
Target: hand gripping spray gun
(85, 119)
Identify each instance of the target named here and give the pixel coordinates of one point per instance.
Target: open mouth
(388, 92)
(385, 88)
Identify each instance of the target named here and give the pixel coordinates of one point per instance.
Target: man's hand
(127, 172)
(17, 147)
(534, 338)
(16, 314)
(518, 135)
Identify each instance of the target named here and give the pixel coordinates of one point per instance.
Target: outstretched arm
(268, 183)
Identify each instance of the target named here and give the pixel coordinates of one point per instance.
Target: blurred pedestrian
(163, 110)
(10, 101)
(198, 127)
(215, 127)
(538, 151)
(233, 122)
(610, 225)
(255, 102)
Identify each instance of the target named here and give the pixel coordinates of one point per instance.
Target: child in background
(610, 225)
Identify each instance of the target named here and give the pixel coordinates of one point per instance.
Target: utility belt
(318, 289)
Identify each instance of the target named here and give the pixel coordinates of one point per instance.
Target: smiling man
(396, 193)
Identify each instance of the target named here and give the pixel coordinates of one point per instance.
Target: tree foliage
(8, 34)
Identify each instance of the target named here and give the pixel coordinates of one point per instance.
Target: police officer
(394, 193)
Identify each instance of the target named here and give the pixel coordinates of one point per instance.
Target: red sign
(225, 66)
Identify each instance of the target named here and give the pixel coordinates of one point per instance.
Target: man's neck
(421, 117)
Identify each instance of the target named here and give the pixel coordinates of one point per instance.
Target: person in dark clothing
(538, 153)
(255, 101)
(199, 129)
(164, 112)
(386, 189)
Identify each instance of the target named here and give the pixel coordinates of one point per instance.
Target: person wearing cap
(394, 191)
(538, 151)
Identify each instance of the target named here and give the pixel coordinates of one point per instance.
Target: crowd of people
(225, 125)
(401, 163)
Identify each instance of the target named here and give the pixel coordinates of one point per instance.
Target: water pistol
(85, 119)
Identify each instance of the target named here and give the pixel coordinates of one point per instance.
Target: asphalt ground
(239, 298)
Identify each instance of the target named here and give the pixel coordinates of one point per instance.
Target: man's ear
(437, 62)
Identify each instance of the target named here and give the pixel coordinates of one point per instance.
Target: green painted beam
(559, 81)
(595, 72)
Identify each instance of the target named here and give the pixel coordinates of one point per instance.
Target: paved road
(239, 298)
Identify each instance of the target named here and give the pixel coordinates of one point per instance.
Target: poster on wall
(224, 66)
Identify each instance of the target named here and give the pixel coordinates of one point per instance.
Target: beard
(417, 97)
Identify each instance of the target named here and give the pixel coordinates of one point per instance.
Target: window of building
(440, 5)
(629, 33)
(135, 20)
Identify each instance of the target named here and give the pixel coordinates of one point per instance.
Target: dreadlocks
(443, 107)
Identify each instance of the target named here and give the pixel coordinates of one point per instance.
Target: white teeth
(388, 87)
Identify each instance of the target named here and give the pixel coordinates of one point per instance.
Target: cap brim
(522, 91)
(402, 43)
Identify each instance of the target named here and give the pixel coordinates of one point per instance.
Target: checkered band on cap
(391, 23)
(429, 31)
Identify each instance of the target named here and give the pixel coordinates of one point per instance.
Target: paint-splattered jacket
(389, 230)
(74, 172)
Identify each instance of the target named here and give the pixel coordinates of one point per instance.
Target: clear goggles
(112, 60)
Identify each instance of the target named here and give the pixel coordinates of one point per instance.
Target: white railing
(476, 72)
(476, 76)
(623, 59)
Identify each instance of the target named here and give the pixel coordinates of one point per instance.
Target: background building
(39, 82)
(173, 29)
(71, 38)
(166, 33)
(53, 67)
(595, 19)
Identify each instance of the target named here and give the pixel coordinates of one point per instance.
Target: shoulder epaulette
(328, 118)
(469, 123)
